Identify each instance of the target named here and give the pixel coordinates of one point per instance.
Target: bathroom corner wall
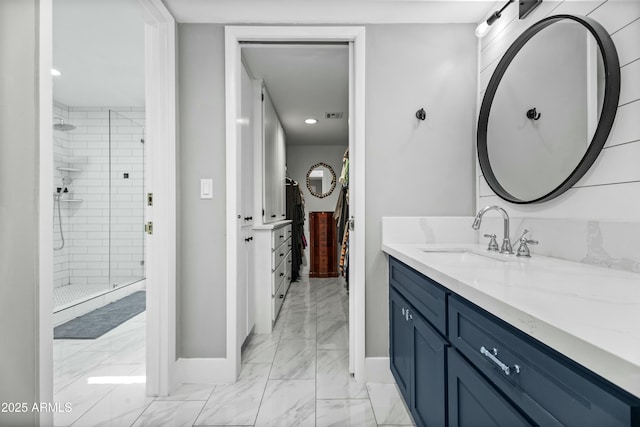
(20, 367)
(592, 221)
(413, 167)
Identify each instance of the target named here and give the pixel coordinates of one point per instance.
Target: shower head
(61, 125)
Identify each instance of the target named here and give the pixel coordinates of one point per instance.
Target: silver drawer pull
(494, 359)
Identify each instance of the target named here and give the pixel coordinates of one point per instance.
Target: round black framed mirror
(321, 180)
(548, 109)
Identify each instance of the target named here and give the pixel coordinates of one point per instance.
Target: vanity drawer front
(551, 389)
(425, 295)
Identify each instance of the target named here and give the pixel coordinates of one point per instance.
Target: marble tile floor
(296, 376)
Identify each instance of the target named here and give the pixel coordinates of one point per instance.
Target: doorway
(98, 189)
(354, 38)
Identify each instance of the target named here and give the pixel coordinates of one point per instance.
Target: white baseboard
(378, 371)
(204, 371)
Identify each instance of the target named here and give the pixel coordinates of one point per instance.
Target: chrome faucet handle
(525, 231)
(523, 250)
(493, 244)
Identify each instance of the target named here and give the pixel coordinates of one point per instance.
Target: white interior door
(352, 272)
(357, 329)
(270, 124)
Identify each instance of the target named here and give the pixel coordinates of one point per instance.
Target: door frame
(355, 36)
(160, 179)
(160, 155)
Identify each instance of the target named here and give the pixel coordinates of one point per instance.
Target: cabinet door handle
(281, 274)
(407, 315)
(281, 296)
(493, 357)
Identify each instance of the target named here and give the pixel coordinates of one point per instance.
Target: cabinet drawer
(277, 300)
(279, 254)
(279, 235)
(473, 401)
(278, 276)
(547, 386)
(428, 297)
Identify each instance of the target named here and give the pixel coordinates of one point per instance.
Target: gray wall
(19, 379)
(299, 160)
(412, 168)
(201, 285)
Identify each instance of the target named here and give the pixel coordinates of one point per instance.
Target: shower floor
(71, 301)
(67, 294)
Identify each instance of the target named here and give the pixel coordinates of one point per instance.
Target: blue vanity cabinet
(459, 365)
(400, 343)
(417, 351)
(428, 397)
(473, 401)
(551, 389)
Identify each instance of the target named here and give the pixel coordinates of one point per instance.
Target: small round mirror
(321, 180)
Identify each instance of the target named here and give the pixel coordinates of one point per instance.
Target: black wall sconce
(525, 7)
(421, 114)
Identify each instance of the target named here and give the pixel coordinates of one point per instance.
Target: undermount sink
(468, 254)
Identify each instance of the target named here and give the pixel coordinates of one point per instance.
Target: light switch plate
(206, 188)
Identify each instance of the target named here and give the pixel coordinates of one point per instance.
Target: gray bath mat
(102, 320)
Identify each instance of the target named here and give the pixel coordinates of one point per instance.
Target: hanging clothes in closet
(296, 213)
(341, 215)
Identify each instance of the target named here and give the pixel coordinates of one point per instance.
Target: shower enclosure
(98, 215)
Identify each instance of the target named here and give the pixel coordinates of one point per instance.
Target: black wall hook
(533, 114)
(421, 114)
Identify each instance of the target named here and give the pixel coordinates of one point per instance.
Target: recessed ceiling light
(55, 72)
(311, 121)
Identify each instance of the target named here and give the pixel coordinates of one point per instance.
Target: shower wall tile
(104, 232)
(60, 159)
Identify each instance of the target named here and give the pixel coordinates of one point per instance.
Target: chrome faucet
(506, 241)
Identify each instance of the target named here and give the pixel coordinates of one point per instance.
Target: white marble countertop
(590, 314)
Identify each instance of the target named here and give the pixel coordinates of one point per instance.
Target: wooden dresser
(324, 247)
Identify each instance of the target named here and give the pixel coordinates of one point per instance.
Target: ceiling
(330, 11)
(305, 82)
(98, 46)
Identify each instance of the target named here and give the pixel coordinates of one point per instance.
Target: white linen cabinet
(271, 230)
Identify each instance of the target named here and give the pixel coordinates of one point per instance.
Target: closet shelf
(64, 169)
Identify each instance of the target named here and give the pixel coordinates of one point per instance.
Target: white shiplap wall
(610, 191)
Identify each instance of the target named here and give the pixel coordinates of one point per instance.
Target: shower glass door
(126, 204)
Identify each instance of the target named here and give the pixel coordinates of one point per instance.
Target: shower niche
(98, 190)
